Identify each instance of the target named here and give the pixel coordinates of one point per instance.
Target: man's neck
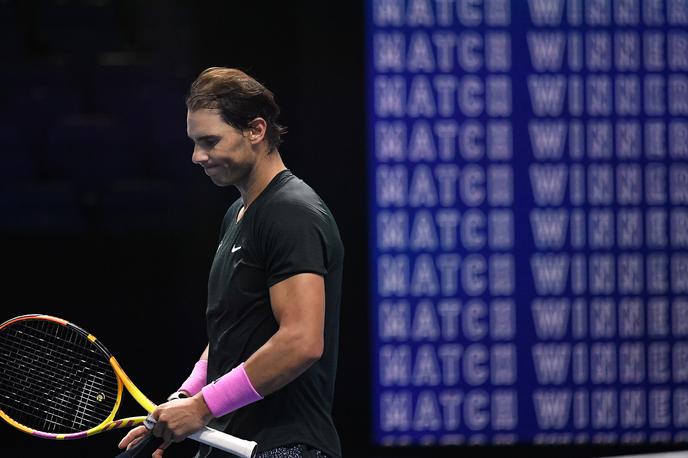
(263, 173)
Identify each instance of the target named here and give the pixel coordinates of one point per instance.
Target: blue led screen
(528, 170)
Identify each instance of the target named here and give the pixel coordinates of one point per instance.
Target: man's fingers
(133, 437)
(136, 441)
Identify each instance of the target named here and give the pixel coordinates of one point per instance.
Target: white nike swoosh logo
(235, 249)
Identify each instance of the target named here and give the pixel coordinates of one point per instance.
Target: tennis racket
(57, 381)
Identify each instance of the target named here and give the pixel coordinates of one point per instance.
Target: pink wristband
(230, 392)
(197, 379)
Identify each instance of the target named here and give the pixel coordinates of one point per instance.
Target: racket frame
(122, 381)
(208, 436)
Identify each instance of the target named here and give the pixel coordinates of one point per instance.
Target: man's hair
(239, 98)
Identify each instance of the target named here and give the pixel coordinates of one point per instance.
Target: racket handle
(213, 438)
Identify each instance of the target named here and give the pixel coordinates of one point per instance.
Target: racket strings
(28, 401)
(36, 358)
(23, 358)
(53, 378)
(69, 377)
(56, 400)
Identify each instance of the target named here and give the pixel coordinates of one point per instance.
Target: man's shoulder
(292, 194)
(294, 205)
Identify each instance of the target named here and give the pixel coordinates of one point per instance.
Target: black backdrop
(135, 277)
(142, 292)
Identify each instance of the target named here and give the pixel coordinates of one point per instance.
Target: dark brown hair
(240, 99)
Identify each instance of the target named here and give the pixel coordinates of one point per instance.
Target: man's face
(223, 151)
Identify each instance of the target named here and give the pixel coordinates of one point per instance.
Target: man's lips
(210, 169)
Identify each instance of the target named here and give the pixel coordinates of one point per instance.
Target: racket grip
(213, 438)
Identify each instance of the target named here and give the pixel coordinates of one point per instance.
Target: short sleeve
(293, 240)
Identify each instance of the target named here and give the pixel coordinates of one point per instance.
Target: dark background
(105, 221)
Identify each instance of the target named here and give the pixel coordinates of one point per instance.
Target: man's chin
(221, 183)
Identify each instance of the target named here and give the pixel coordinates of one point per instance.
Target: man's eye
(208, 143)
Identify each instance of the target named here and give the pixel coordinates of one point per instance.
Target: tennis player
(268, 373)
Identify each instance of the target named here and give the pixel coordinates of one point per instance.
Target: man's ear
(257, 130)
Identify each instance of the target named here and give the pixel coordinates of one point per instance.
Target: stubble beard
(234, 175)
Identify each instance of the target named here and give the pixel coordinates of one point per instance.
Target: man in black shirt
(274, 288)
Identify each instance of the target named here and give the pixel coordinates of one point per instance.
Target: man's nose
(198, 156)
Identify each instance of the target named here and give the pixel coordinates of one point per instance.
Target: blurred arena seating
(92, 127)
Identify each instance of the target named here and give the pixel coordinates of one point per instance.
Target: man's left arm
(298, 304)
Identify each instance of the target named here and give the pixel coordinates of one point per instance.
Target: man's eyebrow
(204, 137)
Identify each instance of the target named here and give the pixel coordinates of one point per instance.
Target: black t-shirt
(287, 230)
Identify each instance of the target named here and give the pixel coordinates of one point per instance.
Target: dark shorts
(292, 451)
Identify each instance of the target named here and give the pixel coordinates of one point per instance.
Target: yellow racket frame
(122, 380)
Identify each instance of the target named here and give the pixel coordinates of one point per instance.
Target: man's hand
(175, 420)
